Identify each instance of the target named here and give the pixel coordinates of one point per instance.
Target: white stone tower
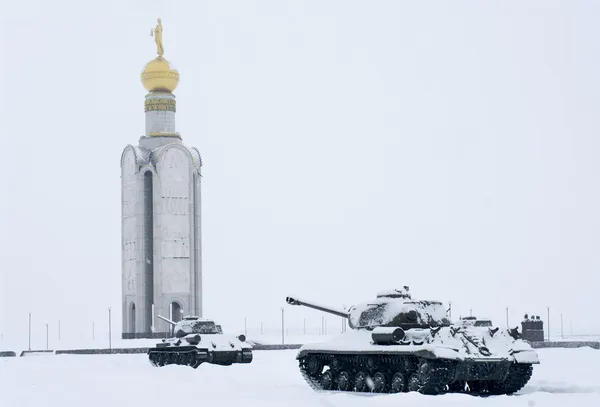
(161, 228)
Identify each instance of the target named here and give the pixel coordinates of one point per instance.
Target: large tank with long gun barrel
(199, 340)
(398, 344)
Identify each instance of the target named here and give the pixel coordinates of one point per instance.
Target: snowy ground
(101, 341)
(566, 377)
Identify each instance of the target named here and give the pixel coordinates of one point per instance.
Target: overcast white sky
(348, 147)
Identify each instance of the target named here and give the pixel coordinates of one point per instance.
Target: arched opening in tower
(148, 251)
(132, 318)
(176, 311)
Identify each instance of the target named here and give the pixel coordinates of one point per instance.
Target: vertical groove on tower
(198, 244)
(148, 251)
(195, 299)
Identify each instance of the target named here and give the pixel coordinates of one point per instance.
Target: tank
(199, 340)
(399, 344)
(475, 321)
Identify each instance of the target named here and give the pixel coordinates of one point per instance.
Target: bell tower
(161, 223)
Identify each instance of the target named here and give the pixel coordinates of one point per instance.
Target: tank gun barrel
(329, 310)
(172, 323)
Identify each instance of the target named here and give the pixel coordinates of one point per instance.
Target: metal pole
(47, 337)
(506, 317)
(562, 335)
(571, 325)
(282, 328)
(30, 331)
(450, 309)
(109, 331)
(548, 323)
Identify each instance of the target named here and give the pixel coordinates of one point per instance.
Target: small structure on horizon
(532, 328)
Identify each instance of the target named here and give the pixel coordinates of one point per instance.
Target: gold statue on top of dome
(157, 32)
(159, 75)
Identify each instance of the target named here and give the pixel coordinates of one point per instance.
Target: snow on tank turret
(399, 344)
(197, 341)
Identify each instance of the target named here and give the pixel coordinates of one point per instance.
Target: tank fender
(526, 356)
(439, 353)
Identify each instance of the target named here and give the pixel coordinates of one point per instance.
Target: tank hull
(194, 357)
(453, 360)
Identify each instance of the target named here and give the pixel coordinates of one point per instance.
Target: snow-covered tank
(398, 344)
(197, 341)
(475, 321)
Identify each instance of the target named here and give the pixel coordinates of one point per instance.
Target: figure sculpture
(157, 33)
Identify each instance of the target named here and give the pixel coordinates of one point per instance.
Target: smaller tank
(199, 340)
(475, 322)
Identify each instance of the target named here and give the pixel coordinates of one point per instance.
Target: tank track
(184, 357)
(396, 374)
(518, 377)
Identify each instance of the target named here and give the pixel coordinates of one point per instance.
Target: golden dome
(160, 75)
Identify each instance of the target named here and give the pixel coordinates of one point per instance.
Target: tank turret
(390, 308)
(193, 325)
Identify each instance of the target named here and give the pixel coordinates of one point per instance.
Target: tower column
(160, 108)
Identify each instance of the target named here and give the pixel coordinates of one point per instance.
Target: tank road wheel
(344, 382)
(379, 382)
(191, 359)
(313, 365)
(414, 383)
(398, 384)
(327, 380)
(360, 382)
(434, 376)
(196, 361)
(336, 365)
